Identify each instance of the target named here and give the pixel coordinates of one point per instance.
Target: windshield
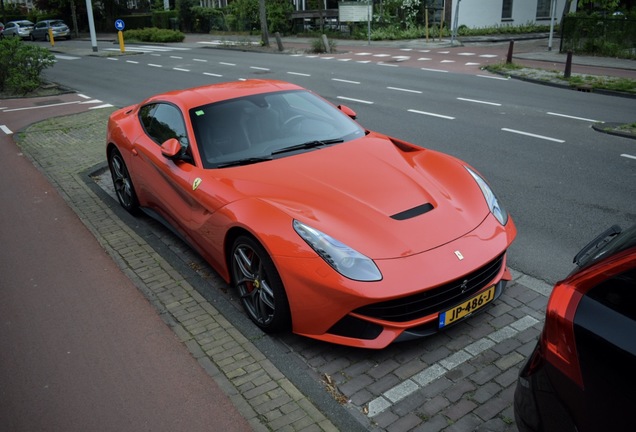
(261, 127)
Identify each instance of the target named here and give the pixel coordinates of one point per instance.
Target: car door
(165, 185)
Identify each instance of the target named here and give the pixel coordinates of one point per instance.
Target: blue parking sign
(119, 24)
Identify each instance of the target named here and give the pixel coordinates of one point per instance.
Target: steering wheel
(290, 122)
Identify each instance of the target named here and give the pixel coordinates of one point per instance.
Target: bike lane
(82, 349)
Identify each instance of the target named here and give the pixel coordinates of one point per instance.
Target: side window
(162, 122)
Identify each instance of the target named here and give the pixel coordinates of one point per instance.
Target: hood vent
(415, 211)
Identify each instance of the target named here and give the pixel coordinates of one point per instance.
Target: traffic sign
(119, 24)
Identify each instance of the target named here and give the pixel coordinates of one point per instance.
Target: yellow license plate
(469, 306)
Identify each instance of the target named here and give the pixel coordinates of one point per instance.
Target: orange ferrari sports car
(323, 227)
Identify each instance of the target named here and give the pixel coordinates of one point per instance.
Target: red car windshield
(260, 127)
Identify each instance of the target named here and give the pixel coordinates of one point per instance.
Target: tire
(259, 286)
(47, 37)
(124, 188)
(32, 37)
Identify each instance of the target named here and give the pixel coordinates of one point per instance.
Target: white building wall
(487, 13)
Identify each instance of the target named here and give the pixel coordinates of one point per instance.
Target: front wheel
(259, 286)
(32, 37)
(122, 182)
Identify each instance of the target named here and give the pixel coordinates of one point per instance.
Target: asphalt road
(562, 182)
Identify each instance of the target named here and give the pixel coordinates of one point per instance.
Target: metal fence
(613, 36)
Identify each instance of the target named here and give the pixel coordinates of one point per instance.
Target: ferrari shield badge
(459, 255)
(196, 183)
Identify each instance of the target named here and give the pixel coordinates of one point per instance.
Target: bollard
(568, 66)
(279, 41)
(510, 50)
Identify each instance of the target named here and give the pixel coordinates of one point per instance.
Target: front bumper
(329, 307)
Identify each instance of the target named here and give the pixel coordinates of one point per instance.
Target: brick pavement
(462, 379)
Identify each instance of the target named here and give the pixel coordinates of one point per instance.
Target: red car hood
(371, 194)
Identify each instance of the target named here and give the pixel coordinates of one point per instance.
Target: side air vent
(415, 211)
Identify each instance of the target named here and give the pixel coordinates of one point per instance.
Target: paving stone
(457, 391)
(433, 424)
(405, 423)
(434, 406)
(459, 409)
(486, 392)
(491, 408)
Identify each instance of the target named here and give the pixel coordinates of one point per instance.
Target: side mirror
(171, 149)
(348, 111)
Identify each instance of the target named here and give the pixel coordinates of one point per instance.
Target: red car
(582, 373)
(325, 228)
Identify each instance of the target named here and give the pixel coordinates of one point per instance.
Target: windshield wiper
(245, 161)
(307, 145)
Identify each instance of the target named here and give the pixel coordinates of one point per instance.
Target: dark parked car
(41, 30)
(582, 374)
(20, 29)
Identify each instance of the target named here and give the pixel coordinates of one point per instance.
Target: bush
(22, 65)
(154, 35)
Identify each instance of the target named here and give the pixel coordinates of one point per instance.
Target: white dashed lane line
(431, 114)
(533, 135)
(574, 118)
(299, 74)
(479, 101)
(6, 130)
(628, 156)
(404, 90)
(345, 81)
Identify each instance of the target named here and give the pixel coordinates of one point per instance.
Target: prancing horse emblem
(459, 255)
(464, 286)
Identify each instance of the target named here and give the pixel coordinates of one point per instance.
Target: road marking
(466, 54)
(227, 64)
(471, 64)
(362, 54)
(176, 57)
(439, 369)
(493, 77)
(628, 156)
(488, 55)
(424, 59)
(42, 106)
(65, 57)
(363, 61)
(433, 70)
(154, 65)
(181, 69)
(93, 101)
(405, 90)
(299, 74)
(381, 55)
(132, 61)
(83, 96)
(345, 81)
(212, 74)
(533, 135)
(112, 58)
(101, 106)
(401, 58)
(259, 68)
(447, 61)
(6, 130)
(387, 64)
(443, 52)
(431, 114)
(479, 101)
(200, 60)
(344, 59)
(575, 118)
(326, 58)
(355, 100)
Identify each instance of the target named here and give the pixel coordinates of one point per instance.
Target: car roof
(197, 96)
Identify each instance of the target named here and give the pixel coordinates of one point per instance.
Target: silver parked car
(21, 28)
(41, 30)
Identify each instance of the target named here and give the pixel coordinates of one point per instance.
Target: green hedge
(613, 36)
(22, 65)
(154, 34)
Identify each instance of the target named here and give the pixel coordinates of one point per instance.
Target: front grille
(434, 300)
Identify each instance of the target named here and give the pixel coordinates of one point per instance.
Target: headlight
(346, 261)
(493, 203)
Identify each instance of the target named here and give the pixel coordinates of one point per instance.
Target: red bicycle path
(81, 349)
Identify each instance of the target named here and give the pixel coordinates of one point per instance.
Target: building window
(506, 10)
(543, 9)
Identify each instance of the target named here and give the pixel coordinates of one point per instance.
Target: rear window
(612, 244)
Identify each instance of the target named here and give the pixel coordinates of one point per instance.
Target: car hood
(384, 198)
